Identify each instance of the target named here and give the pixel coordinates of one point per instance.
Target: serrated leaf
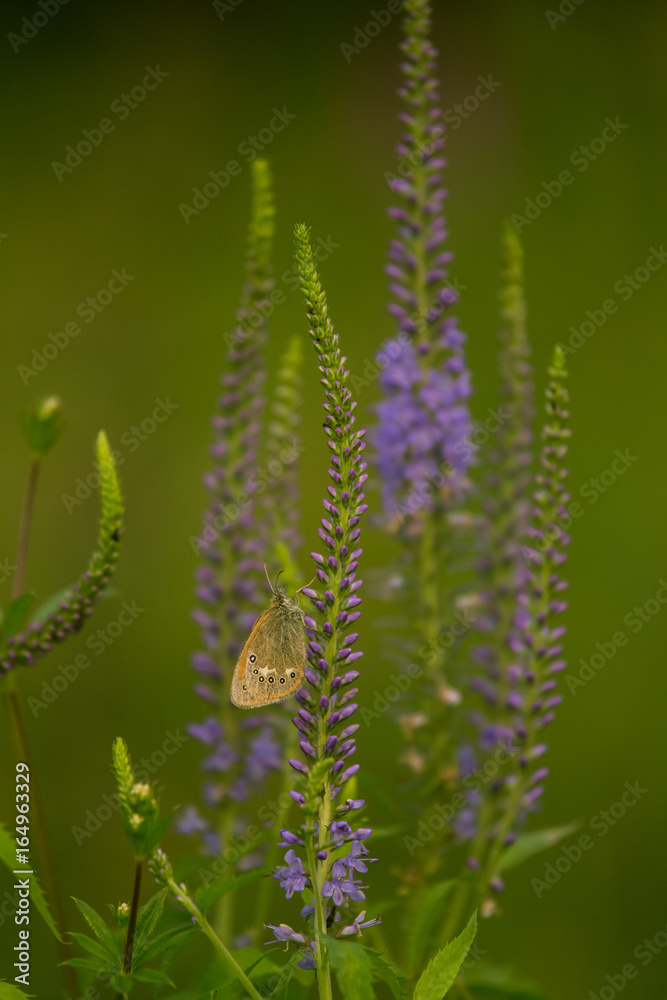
(178, 943)
(148, 916)
(161, 944)
(528, 844)
(83, 963)
(10, 992)
(207, 895)
(14, 615)
(386, 972)
(152, 976)
(92, 947)
(442, 970)
(8, 858)
(429, 910)
(352, 966)
(97, 926)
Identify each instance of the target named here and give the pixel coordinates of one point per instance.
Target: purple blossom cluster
(233, 543)
(424, 421)
(327, 701)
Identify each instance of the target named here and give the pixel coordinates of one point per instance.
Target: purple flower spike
(329, 638)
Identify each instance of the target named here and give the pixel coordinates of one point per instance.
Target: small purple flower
(291, 878)
(358, 924)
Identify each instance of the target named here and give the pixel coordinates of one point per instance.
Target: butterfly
(270, 667)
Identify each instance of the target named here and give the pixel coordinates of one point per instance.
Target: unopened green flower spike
(139, 806)
(66, 614)
(43, 426)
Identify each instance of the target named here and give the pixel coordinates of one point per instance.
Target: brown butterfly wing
(270, 667)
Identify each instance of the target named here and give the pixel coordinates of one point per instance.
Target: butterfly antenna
(268, 578)
(306, 585)
(278, 577)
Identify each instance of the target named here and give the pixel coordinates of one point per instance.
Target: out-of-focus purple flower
(424, 428)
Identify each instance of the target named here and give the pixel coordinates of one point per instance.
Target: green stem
(21, 748)
(181, 895)
(323, 971)
(274, 855)
(24, 530)
(132, 923)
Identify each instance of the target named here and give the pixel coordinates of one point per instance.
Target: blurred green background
(162, 338)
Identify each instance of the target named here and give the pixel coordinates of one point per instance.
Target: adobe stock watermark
(581, 158)
(625, 288)
(222, 7)
(323, 248)
(600, 825)
(30, 25)
(635, 621)
(644, 952)
(442, 814)
(131, 439)
(98, 643)
(256, 484)
(464, 451)
(144, 771)
(249, 149)
(392, 349)
(121, 107)
(7, 570)
(566, 8)
(88, 310)
(453, 116)
(591, 491)
(363, 34)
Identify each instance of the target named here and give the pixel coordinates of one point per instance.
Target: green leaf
(148, 916)
(161, 944)
(527, 844)
(91, 946)
(51, 603)
(152, 976)
(176, 946)
(8, 858)
(83, 963)
(441, 971)
(10, 992)
(353, 968)
(207, 895)
(428, 912)
(155, 835)
(281, 989)
(14, 615)
(97, 926)
(387, 973)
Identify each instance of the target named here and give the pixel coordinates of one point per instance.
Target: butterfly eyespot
(245, 687)
(255, 671)
(282, 680)
(252, 657)
(261, 678)
(271, 680)
(292, 674)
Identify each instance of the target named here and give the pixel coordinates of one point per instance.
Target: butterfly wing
(270, 667)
